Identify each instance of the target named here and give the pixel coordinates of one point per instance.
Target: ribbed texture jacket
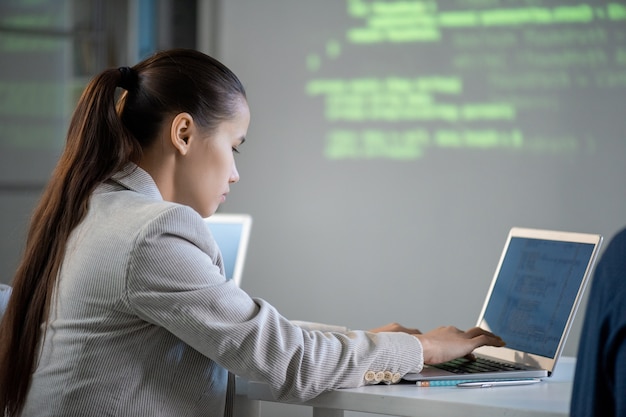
(143, 322)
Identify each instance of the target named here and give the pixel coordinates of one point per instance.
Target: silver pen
(498, 383)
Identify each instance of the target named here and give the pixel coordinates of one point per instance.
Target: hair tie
(128, 78)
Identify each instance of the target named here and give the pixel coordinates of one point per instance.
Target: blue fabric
(600, 379)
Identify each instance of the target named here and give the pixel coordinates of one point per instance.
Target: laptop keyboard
(465, 366)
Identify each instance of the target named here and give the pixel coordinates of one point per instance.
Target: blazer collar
(136, 179)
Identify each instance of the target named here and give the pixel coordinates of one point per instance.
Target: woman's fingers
(483, 337)
(447, 343)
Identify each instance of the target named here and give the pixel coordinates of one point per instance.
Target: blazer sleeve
(174, 281)
(310, 325)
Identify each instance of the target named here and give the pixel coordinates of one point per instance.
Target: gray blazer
(143, 322)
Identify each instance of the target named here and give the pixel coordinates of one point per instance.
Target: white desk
(551, 397)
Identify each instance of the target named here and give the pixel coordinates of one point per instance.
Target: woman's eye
(235, 150)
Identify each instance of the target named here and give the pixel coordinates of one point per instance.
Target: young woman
(120, 306)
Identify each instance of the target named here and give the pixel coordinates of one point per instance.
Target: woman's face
(203, 181)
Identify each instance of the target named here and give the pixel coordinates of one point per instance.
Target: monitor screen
(228, 238)
(231, 232)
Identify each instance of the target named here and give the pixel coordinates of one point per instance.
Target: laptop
(531, 303)
(232, 233)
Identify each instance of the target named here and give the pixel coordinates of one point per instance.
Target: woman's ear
(182, 131)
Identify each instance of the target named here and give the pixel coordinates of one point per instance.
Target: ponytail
(97, 146)
(101, 140)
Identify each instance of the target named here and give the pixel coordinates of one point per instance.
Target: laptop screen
(532, 298)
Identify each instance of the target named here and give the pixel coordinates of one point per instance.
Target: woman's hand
(446, 343)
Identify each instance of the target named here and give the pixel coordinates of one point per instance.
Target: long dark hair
(102, 138)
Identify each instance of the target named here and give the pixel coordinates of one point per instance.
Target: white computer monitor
(232, 233)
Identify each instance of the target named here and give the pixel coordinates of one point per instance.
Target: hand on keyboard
(446, 343)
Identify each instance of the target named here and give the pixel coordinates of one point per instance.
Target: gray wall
(363, 241)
